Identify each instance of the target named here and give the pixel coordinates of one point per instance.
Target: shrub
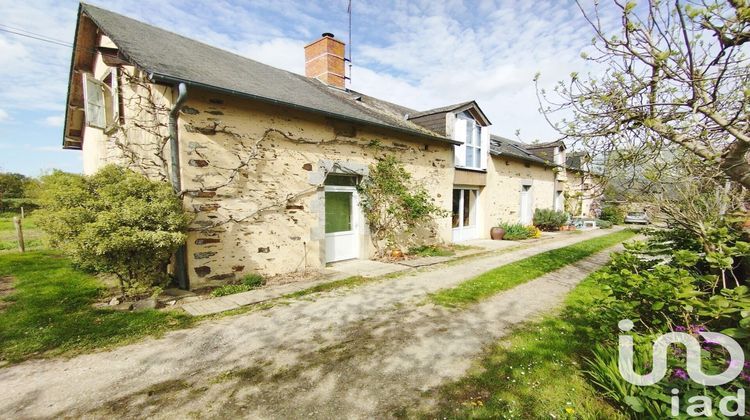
(13, 205)
(253, 280)
(549, 220)
(249, 282)
(666, 285)
(394, 205)
(604, 224)
(517, 231)
(115, 221)
(614, 214)
(534, 232)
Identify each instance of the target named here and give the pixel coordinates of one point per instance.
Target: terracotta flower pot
(497, 233)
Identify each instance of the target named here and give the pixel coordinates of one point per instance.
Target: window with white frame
(559, 156)
(102, 100)
(472, 152)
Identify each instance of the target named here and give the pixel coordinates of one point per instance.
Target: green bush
(666, 284)
(115, 221)
(13, 205)
(549, 220)
(253, 280)
(517, 231)
(249, 282)
(614, 214)
(604, 224)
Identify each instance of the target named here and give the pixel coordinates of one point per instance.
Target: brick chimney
(324, 60)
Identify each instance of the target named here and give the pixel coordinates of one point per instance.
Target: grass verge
(533, 373)
(513, 274)
(50, 311)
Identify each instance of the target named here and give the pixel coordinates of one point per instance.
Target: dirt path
(365, 352)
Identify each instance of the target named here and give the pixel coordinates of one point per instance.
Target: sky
(418, 53)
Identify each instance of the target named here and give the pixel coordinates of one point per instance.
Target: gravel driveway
(359, 353)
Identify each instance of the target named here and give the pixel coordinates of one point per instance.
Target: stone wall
(583, 192)
(139, 138)
(254, 172)
(502, 196)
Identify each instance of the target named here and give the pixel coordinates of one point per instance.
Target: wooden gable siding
(432, 122)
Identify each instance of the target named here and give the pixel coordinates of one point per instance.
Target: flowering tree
(676, 77)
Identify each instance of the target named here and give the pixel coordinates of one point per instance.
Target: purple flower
(680, 328)
(745, 377)
(695, 329)
(680, 374)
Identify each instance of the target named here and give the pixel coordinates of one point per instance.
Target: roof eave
(505, 155)
(70, 79)
(163, 78)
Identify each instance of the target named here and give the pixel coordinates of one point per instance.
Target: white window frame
(463, 232)
(102, 101)
(93, 98)
(474, 138)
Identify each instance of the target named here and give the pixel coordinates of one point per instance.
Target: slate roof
(439, 110)
(545, 151)
(500, 146)
(172, 58)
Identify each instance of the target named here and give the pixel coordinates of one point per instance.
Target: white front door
(465, 215)
(525, 212)
(342, 222)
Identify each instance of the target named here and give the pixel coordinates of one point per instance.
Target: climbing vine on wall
(393, 205)
(573, 202)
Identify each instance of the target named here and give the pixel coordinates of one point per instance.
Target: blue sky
(419, 53)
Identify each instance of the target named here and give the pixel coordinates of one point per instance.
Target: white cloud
(4, 116)
(440, 58)
(419, 53)
(54, 120)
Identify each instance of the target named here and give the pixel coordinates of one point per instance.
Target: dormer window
(559, 156)
(472, 153)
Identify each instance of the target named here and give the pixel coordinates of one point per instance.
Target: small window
(102, 100)
(93, 92)
(341, 180)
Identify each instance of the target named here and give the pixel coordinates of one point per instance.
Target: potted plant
(497, 233)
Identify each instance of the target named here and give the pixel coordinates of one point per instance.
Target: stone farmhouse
(268, 160)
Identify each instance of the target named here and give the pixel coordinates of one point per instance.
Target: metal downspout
(180, 259)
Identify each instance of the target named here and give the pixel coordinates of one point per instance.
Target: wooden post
(22, 215)
(19, 234)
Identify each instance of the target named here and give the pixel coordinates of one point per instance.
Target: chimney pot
(324, 60)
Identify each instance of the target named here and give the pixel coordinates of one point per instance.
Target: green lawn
(51, 312)
(32, 235)
(533, 373)
(513, 274)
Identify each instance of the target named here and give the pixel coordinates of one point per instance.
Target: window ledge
(463, 168)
